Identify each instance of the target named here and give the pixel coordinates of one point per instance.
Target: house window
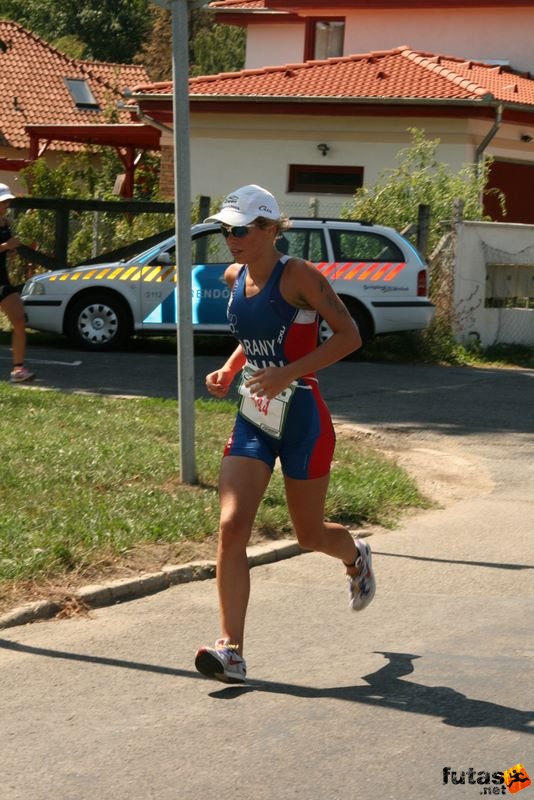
(324, 38)
(81, 93)
(324, 180)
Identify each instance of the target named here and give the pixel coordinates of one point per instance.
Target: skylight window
(81, 93)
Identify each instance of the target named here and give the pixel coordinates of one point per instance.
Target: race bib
(268, 415)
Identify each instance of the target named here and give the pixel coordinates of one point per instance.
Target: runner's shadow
(490, 564)
(387, 689)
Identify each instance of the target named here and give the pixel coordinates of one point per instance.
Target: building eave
(487, 100)
(373, 5)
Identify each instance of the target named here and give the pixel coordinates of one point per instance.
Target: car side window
(210, 248)
(363, 246)
(304, 243)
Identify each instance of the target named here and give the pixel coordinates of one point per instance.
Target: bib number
(268, 415)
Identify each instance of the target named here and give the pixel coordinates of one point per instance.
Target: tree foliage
(217, 48)
(129, 31)
(156, 51)
(109, 30)
(112, 29)
(212, 48)
(421, 179)
(82, 177)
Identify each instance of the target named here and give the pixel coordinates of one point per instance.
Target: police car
(377, 272)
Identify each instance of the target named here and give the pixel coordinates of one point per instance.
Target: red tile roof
(353, 5)
(33, 89)
(400, 73)
(237, 4)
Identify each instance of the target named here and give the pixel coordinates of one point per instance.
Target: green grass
(84, 475)
(436, 345)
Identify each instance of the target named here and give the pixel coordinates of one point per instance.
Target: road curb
(124, 589)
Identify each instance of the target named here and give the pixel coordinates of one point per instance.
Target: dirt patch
(443, 472)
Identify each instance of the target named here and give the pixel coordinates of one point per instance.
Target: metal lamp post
(182, 198)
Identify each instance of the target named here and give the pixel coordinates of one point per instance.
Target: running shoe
(20, 374)
(221, 662)
(362, 587)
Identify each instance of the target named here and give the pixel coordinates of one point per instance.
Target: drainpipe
(150, 121)
(479, 152)
(144, 117)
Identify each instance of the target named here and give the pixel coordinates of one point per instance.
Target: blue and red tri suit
(274, 333)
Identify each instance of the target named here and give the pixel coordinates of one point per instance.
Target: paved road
(445, 401)
(435, 674)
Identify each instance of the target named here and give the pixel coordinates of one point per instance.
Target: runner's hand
(218, 383)
(268, 382)
(12, 243)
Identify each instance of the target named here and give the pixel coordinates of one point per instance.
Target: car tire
(98, 321)
(361, 317)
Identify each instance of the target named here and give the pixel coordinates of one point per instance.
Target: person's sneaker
(221, 662)
(20, 374)
(362, 587)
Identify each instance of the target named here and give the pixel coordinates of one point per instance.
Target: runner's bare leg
(242, 483)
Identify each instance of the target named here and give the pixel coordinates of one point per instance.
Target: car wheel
(98, 322)
(360, 316)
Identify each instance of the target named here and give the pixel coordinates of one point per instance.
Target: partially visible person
(10, 302)
(273, 312)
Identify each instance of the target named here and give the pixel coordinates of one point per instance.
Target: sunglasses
(239, 231)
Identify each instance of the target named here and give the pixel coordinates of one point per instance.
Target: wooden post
(203, 207)
(423, 228)
(458, 211)
(61, 239)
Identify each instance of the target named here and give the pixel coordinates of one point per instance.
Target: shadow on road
(385, 689)
(490, 564)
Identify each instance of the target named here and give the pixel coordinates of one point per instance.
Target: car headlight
(33, 287)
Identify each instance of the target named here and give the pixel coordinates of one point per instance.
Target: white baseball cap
(246, 204)
(5, 193)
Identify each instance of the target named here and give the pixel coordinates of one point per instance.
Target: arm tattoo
(333, 300)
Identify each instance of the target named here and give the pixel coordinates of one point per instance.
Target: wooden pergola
(130, 140)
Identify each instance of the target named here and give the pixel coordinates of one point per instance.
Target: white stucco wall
(228, 151)
(270, 45)
(489, 325)
(478, 33)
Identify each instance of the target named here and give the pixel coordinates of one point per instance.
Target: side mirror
(164, 259)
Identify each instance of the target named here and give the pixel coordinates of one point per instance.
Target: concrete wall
(480, 244)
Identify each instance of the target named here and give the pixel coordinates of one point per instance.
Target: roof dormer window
(324, 38)
(81, 93)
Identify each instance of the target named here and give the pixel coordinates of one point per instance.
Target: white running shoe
(21, 373)
(362, 587)
(221, 662)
